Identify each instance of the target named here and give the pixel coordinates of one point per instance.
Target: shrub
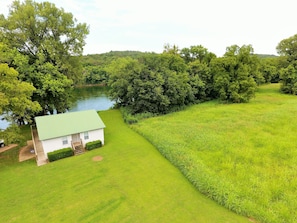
(60, 154)
(130, 118)
(93, 145)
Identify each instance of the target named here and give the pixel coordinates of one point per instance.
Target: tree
(234, 74)
(154, 83)
(269, 69)
(197, 53)
(198, 59)
(287, 48)
(288, 78)
(201, 80)
(15, 95)
(171, 49)
(49, 37)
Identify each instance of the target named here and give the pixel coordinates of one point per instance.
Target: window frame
(65, 140)
(86, 136)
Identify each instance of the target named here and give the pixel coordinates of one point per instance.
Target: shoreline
(90, 85)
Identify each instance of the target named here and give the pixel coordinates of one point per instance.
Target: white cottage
(73, 129)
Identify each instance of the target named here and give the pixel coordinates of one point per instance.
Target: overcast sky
(146, 25)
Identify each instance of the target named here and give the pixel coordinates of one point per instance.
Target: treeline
(160, 83)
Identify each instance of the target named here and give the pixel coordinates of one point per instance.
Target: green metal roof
(54, 126)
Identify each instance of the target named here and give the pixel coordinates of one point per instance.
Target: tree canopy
(15, 95)
(287, 48)
(159, 83)
(154, 83)
(235, 74)
(53, 41)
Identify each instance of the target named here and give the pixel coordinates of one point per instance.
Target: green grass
(133, 183)
(244, 156)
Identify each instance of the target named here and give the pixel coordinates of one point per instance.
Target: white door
(75, 138)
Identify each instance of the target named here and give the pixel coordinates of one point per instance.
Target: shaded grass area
(244, 156)
(133, 183)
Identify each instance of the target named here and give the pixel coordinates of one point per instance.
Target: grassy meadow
(133, 183)
(244, 156)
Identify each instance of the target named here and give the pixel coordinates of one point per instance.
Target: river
(84, 98)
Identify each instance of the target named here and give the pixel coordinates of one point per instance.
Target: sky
(147, 25)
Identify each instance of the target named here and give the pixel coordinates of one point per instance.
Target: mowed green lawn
(244, 156)
(133, 183)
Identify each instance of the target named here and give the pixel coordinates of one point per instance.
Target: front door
(75, 138)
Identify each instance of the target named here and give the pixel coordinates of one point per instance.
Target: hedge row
(60, 154)
(93, 145)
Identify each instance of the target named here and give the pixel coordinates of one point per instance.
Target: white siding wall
(54, 144)
(57, 143)
(93, 135)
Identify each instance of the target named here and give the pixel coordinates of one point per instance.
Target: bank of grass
(244, 156)
(133, 183)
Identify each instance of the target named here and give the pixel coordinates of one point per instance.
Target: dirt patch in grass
(97, 158)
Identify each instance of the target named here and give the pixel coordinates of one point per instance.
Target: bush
(93, 145)
(60, 154)
(130, 118)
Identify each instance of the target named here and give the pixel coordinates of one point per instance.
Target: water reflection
(95, 97)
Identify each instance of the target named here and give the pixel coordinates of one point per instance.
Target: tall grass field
(243, 156)
(132, 183)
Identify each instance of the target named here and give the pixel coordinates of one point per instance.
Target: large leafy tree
(195, 53)
(15, 95)
(198, 59)
(287, 49)
(53, 41)
(269, 69)
(234, 74)
(154, 83)
(15, 101)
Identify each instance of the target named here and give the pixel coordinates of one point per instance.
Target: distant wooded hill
(106, 58)
(266, 55)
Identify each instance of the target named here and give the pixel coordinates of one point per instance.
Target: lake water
(85, 98)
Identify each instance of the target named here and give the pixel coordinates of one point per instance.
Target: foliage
(287, 48)
(288, 77)
(53, 42)
(198, 60)
(269, 69)
(131, 119)
(95, 75)
(103, 59)
(241, 155)
(195, 53)
(234, 74)
(15, 101)
(94, 65)
(93, 145)
(154, 83)
(12, 134)
(51, 85)
(60, 154)
(131, 182)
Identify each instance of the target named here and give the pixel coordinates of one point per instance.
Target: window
(65, 140)
(86, 135)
